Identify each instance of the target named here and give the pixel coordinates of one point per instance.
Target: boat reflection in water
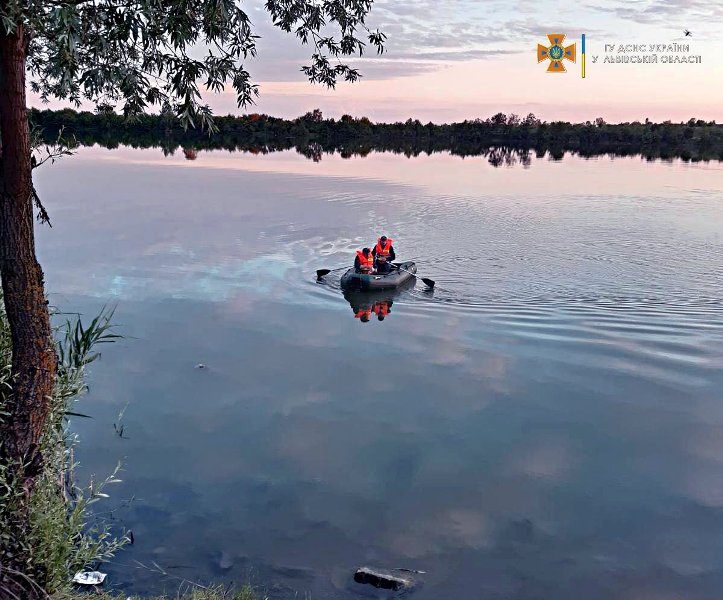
(368, 306)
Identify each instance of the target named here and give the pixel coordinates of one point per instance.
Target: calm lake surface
(547, 423)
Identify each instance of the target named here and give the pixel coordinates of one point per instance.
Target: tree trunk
(33, 351)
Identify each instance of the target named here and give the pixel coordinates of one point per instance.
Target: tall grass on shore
(63, 537)
(212, 593)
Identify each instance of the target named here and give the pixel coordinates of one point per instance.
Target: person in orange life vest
(364, 261)
(382, 309)
(384, 254)
(363, 314)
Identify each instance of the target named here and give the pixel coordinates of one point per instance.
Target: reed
(212, 593)
(64, 535)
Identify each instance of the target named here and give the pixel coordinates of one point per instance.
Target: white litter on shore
(89, 577)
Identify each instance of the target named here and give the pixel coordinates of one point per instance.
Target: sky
(450, 60)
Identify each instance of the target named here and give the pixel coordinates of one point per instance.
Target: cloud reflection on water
(544, 423)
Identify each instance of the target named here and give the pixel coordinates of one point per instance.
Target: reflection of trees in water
(497, 156)
(503, 141)
(312, 151)
(505, 156)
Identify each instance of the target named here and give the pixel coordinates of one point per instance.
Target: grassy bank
(214, 593)
(62, 536)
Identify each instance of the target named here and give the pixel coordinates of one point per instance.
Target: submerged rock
(381, 578)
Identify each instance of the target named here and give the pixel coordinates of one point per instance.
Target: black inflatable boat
(351, 280)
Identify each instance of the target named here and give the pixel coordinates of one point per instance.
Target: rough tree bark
(33, 359)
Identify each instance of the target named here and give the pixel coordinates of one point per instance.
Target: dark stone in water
(380, 578)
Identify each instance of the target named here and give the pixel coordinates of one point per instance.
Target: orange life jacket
(366, 263)
(381, 309)
(383, 250)
(363, 313)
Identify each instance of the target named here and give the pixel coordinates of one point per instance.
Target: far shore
(312, 134)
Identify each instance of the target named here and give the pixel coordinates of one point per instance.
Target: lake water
(547, 423)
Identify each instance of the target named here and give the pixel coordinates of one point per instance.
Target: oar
(322, 272)
(427, 282)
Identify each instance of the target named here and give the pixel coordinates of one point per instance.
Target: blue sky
(457, 59)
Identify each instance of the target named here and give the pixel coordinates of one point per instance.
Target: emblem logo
(556, 53)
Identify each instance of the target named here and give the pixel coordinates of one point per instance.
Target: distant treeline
(503, 139)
